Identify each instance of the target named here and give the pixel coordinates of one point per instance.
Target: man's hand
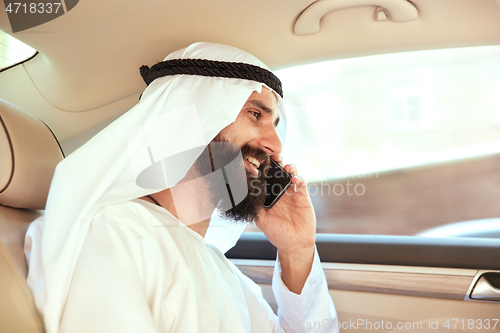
(291, 226)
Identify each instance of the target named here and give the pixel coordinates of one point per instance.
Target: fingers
(299, 183)
(278, 158)
(291, 169)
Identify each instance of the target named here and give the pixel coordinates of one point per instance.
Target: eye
(256, 114)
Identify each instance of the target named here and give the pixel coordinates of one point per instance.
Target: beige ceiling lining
(71, 129)
(137, 93)
(100, 57)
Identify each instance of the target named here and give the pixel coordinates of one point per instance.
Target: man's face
(254, 132)
(255, 126)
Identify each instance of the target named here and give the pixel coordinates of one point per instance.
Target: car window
(12, 51)
(398, 144)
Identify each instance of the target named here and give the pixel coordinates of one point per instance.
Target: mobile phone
(277, 181)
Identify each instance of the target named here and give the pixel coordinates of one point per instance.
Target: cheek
(235, 133)
(227, 132)
(241, 132)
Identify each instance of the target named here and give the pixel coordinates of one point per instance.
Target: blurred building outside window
(417, 132)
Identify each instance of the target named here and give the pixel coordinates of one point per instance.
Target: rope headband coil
(213, 68)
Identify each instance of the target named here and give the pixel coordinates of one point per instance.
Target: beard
(221, 154)
(249, 208)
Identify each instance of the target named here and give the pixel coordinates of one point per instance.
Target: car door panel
(424, 283)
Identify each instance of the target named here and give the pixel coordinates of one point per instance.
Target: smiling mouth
(253, 164)
(254, 161)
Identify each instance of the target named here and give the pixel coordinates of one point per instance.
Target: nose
(270, 141)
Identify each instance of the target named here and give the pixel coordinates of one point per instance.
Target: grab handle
(308, 21)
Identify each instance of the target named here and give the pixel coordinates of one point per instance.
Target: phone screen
(276, 183)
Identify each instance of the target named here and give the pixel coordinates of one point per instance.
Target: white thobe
(142, 270)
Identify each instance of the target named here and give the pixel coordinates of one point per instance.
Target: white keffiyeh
(176, 116)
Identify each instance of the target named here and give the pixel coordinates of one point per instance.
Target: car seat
(29, 153)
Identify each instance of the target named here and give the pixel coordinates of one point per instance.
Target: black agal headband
(235, 70)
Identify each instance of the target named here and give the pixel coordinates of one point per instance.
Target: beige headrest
(29, 153)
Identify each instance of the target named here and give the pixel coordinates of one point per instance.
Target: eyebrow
(264, 108)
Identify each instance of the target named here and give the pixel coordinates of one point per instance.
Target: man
(121, 246)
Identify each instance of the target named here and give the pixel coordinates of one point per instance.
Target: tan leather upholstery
(29, 153)
(17, 310)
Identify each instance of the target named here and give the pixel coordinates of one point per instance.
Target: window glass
(398, 144)
(13, 51)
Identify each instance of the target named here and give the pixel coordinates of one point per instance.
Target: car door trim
(442, 283)
(464, 253)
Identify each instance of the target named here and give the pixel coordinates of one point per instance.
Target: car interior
(416, 250)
